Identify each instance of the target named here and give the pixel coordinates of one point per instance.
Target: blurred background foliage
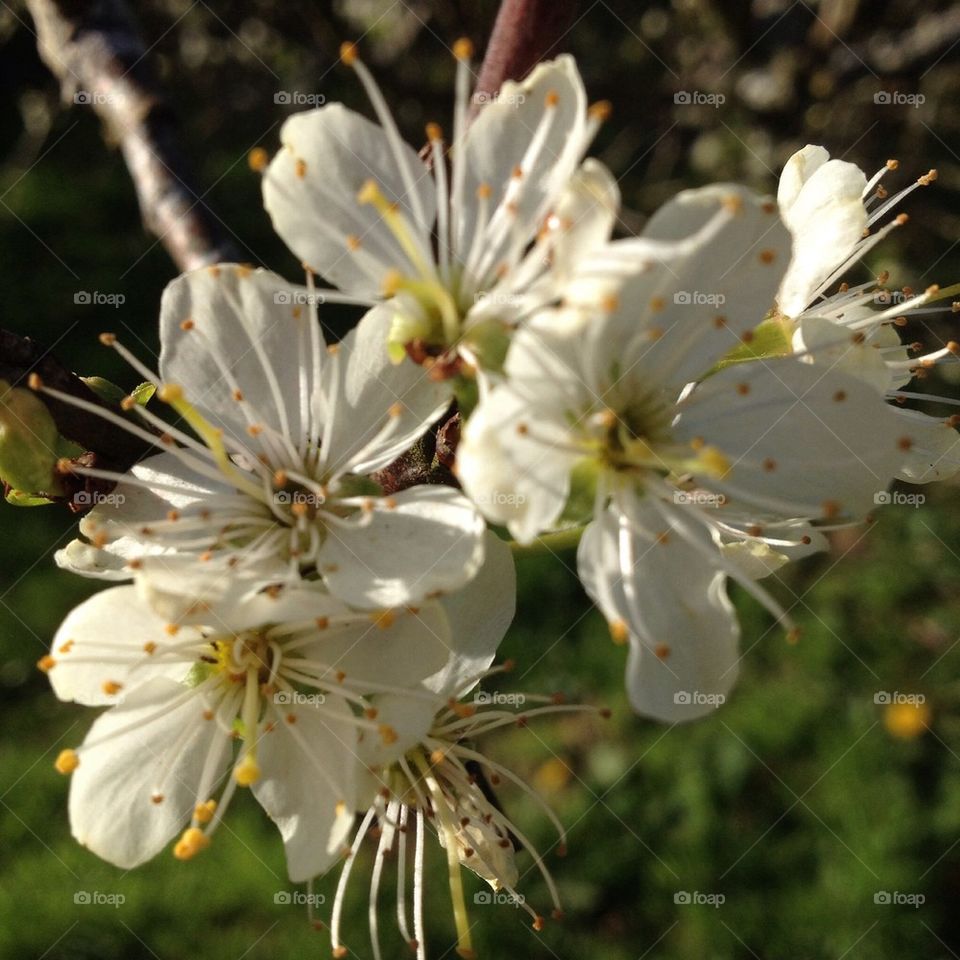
(802, 799)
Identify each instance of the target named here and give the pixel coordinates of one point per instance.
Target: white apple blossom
(432, 777)
(630, 387)
(273, 481)
(835, 214)
(288, 672)
(467, 251)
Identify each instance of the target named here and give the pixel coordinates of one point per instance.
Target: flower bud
(28, 442)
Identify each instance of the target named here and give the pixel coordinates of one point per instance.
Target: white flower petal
(112, 810)
(307, 786)
(248, 332)
(431, 541)
(512, 479)
(401, 650)
(370, 388)
(672, 321)
(934, 452)
(310, 191)
(824, 442)
(497, 141)
(797, 171)
(674, 603)
(827, 218)
(479, 615)
(110, 638)
(834, 347)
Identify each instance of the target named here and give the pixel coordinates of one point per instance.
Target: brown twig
(94, 50)
(525, 32)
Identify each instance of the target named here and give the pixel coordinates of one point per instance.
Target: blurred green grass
(794, 801)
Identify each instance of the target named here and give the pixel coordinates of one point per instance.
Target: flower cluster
(690, 404)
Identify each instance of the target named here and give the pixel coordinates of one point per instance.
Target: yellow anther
(203, 812)
(893, 164)
(370, 193)
(551, 99)
(247, 771)
(170, 393)
(191, 843)
(67, 761)
(463, 49)
(384, 619)
(391, 283)
(300, 168)
(434, 132)
(619, 632)
(46, 664)
(258, 159)
(714, 462)
(353, 242)
(395, 410)
(35, 382)
(387, 734)
(483, 191)
(600, 110)
(348, 53)
(149, 647)
(111, 687)
(108, 339)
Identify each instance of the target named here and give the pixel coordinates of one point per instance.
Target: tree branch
(525, 32)
(94, 50)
